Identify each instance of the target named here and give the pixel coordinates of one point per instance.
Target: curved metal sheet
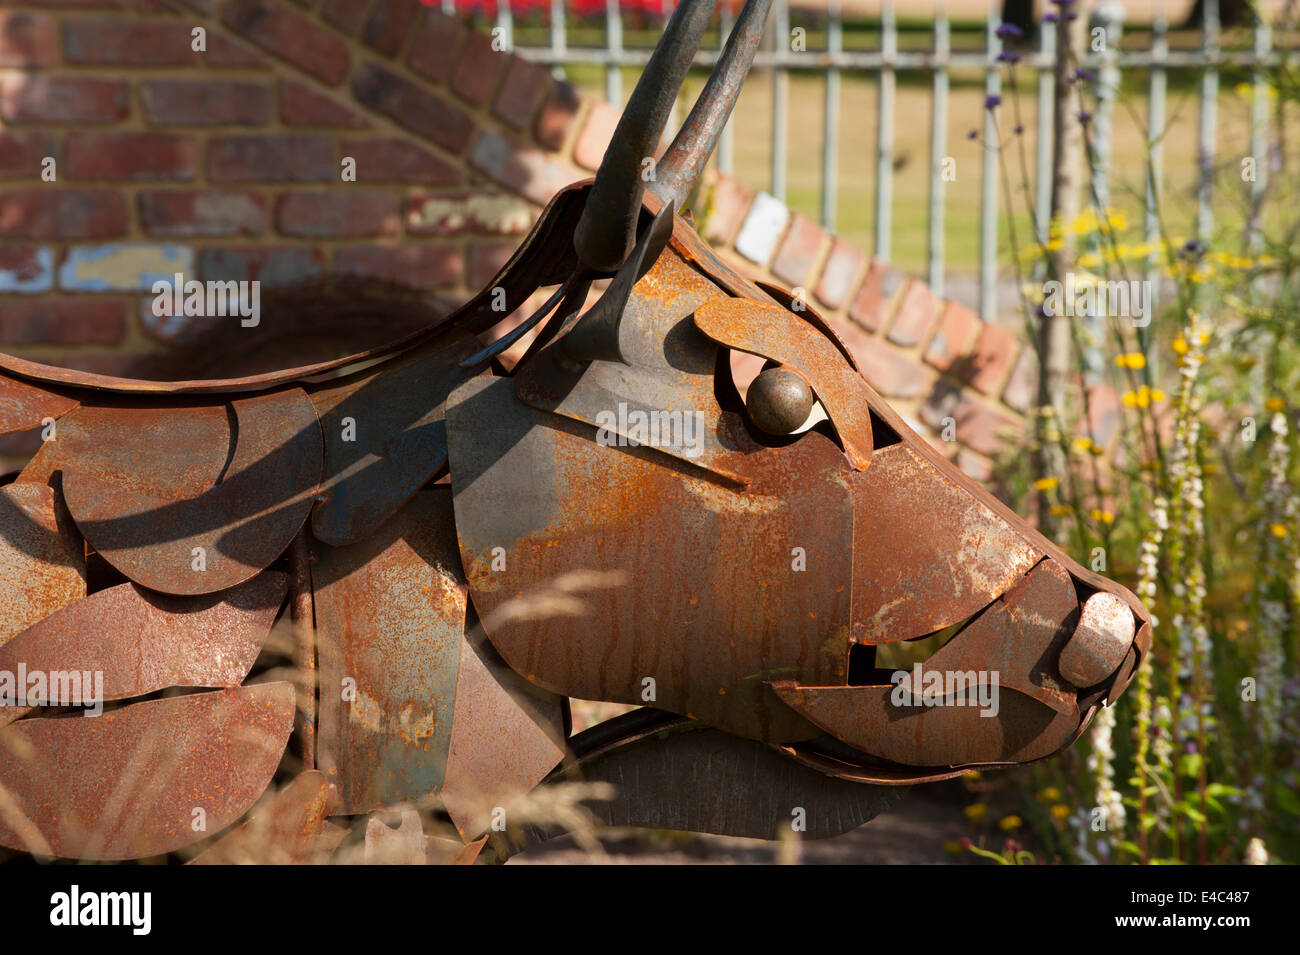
(384, 437)
(142, 641)
(292, 828)
(697, 779)
(132, 782)
(596, 568)
(771, 331)
(865, 718)
(506, 735)
(162, 496)
(390, 614)
(1020, 637)
(23, 406)
(42, 558)
(956, 557)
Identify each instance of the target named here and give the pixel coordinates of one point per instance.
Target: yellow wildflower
(1083, 443)
(1275, 404)
(1060, 812)
(1047, 484)
(1180, 345)
(1010, 823)
(1060, 510)
(1131, 360)
(976, 812)
(1106, 517)
(1278, 530)
(1050, 794)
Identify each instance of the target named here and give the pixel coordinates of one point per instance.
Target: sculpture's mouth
(1016, 681)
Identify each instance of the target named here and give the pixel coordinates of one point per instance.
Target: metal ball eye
(779, 400)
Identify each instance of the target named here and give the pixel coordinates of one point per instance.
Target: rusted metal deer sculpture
(460, 550)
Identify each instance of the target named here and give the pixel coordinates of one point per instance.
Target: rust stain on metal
(174, 508)
(24, 406)
(42, 558)
(126, 784)
(142, 641)
(292, 828)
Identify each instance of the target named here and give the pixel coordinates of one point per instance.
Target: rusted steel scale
(456, 551)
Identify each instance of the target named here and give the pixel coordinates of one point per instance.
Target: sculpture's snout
(1100, 642)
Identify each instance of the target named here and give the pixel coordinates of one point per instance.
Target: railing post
(780, 96)
(559, 40)
(938, 151)
(885, 133)
(1209, 121)
(1155, 173)
(614, 43)
(831, 121)
(1108, 16)
(726, 142)
(1043, 157)
(989, 192)
(1259, 148)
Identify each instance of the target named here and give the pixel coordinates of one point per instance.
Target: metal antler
(607, 230)
(676, 176)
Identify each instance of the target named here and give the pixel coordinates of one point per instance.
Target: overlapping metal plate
(192, 500)
(142, 779)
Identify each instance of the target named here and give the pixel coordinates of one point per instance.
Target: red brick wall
(227, 164)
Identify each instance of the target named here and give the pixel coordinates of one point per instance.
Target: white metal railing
(940, 60)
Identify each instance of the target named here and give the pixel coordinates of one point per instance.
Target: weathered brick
(23, 152)
(390, 24)
(39, 212)
(842, 266)
(26, 268)
(288, 157)
(871, 307)
(407, 104)
(290, 36)
(485, 260)
(226, 53)
(529, 172)
(984, 429)
(284, 266)
(48, 98)
(475, 76)
(473, 212)
(339, 212)
(130, 155)
(764, 225)
(207, 102)
(1021, 391)
(994, 354)
(729, 201)
(64, 321)
(596, 133)
(798, 251)
(433, 53)
(1103, 417)
(523, 87)
(559, 110)
(202, 212)
(975, 467)
(346, 15)
(888, 370)
(300, 105)
(28, 39)
(915, 316)
(122, 266)
(128, 42)
(952, 339)
(409, 265)
(389, 159)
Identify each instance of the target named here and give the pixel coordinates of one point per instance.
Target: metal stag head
(743, 559)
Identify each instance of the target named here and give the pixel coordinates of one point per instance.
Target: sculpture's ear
(770, 331)
(599, 335)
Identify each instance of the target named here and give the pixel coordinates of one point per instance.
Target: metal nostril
(1100, 641)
